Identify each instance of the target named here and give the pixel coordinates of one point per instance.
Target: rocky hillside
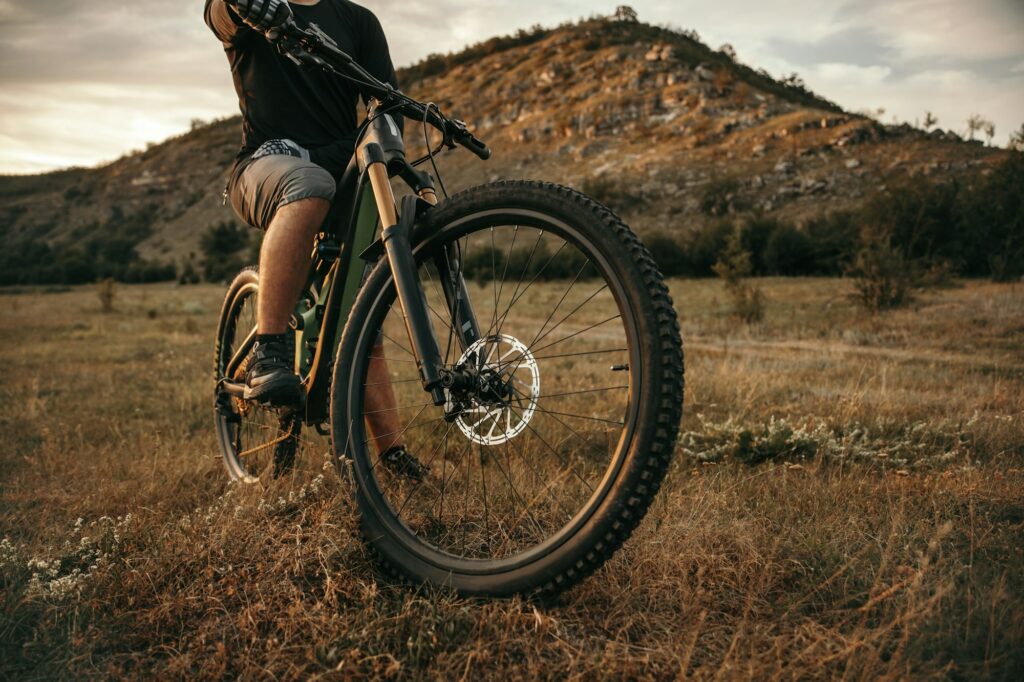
(665, 130)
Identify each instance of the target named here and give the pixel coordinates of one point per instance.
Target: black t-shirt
(279, 99)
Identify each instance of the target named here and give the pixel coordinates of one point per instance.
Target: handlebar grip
(475, 145)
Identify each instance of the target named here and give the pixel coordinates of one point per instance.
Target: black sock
(264, 339)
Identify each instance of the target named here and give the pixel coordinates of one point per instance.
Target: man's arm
(224, 23)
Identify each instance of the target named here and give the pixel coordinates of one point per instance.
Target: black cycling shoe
(269, 378)
(398, 460)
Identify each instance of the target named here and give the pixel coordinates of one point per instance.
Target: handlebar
(312, 46)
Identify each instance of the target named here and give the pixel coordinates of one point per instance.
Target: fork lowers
(398, 248)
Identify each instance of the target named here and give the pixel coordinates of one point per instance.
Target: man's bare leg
(284, 267)
(284, 261)
(382, 417)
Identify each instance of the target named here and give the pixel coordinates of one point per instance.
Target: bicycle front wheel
(540, 470)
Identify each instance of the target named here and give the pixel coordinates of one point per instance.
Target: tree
(990, 132)
(1017, 140)
(977, 123)
(930, 120)
(626, 13)
(794, 80)
(729, 51)
(734, 268)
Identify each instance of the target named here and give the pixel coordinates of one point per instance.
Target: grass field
(846, 501)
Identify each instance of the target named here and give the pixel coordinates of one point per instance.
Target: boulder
(704, 73)
(784, 167)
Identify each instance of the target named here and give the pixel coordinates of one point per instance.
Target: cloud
(855, 76)
(84, 81)
(50, 126)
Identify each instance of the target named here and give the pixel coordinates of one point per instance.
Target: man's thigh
(270, 182)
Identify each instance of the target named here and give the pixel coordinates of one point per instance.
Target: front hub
(498, 395)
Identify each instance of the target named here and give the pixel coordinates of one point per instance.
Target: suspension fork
(396, 236)
(460, 309)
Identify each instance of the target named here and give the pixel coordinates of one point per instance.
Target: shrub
(833, 240)
(106, 292)
(188, 274)
(755, 233)
(223, 246)
(990, 222)
(532, 262)
(882, 276)
(148, 271)
(613, 192)
(705, 245)
(919, 219)
(734, 267)
(974, 224)
(669, 254)
(789, 252)
(777, 440)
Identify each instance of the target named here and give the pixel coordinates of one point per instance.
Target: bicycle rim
(514, 475)
(257, 443)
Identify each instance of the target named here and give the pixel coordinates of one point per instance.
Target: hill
(667, 131)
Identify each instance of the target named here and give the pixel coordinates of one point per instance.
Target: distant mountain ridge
(661, 127)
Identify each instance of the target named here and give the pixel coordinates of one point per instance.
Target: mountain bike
(531, 349)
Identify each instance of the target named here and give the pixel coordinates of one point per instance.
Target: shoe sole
(283, 391)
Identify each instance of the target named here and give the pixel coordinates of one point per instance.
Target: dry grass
(880, 537)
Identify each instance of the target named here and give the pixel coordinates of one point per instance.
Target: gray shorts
(258, 188)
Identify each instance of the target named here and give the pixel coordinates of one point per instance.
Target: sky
(84, 81)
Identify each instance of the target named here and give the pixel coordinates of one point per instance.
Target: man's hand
(262, 15)
(281, 148)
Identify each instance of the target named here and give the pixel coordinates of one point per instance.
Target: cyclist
(298, 134)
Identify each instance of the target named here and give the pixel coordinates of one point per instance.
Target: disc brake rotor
(506, 400)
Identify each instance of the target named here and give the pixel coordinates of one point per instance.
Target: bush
(224, 247)
(106, 292)
(789, 252)
(670, 256)
(882, 276)
(613, 192)
(705, 246)
(833, 240)
(147, 271)
(734, 267)
(918, 218)
(188, 274)
(976, 225)
(991, 222)
(526, 264)
(755, 233)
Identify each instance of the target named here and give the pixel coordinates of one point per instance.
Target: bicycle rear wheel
(548, 462)
(257, 443)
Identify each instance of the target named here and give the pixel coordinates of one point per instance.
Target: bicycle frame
(346, 250)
